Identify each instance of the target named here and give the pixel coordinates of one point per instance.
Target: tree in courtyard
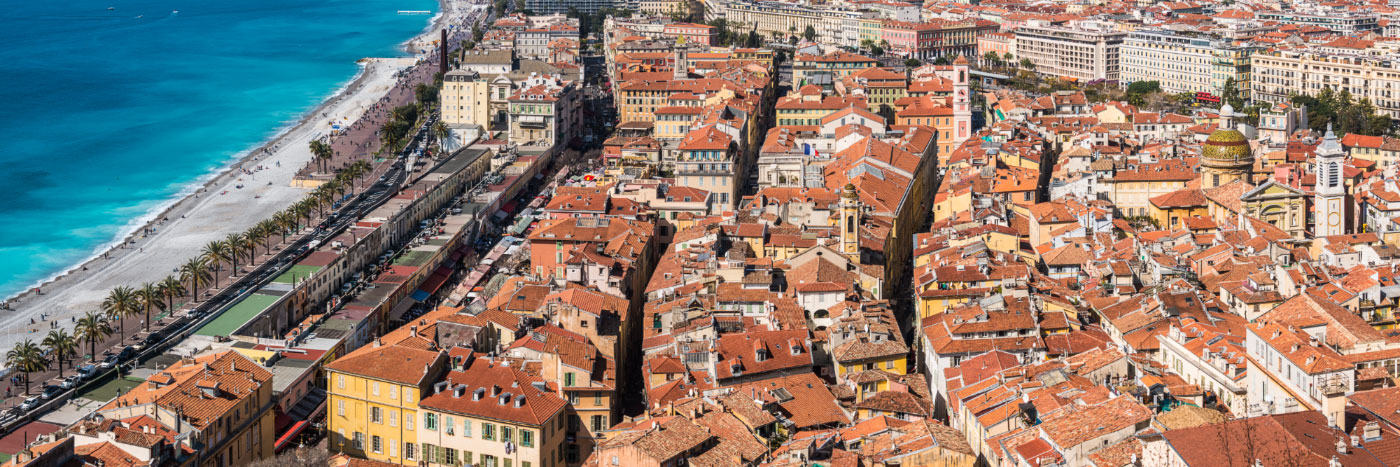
(810, 33)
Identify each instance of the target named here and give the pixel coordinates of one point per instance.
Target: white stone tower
(1330, 191)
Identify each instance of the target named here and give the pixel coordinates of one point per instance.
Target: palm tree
(61, 345)
(27, 358)
(92, 328)
(150, 296)
(217, 253)
(285, 221)
(171, 288)
(196, 271)
(121, 302)
(324, 198)
(321, 152)
(237, 244)
(440, 131)
(261, 233)
(302, 210)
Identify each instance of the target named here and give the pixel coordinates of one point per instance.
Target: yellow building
(489, 413)
(373, 399)
(465, 99)
(1169, 211)
(221, 401)
(934, 302)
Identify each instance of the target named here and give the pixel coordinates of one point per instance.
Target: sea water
(109, 109)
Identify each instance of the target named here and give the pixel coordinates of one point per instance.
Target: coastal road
(175, 329)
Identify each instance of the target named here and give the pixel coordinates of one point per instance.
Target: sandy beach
(244, 193)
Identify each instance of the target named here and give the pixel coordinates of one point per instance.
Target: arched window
(851, 224)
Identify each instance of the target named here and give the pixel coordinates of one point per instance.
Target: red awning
(433, 283)
(292, 433)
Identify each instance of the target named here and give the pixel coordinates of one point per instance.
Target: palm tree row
(197, 273)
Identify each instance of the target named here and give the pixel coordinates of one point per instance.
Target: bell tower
(962, 112)
(682, 67)
(1330, 191)
(850, 223)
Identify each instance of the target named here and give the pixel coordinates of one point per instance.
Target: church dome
(1227, 146)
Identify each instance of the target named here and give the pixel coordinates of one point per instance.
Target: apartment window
(375, 415)
(340, 381)
(488, 461)
(376, 444)
(600, 422)
(430, 453)
(408, 420)
(407, 395)
(449, 456)
(340, 408)
(598, 398)
(573, 398)
(507, 434)
(889, 364)
(393, 392)
(447, 425)
(569, 378)
(430, 422)
(488, 432)
(393, 418)
(374, 387)
(467, 428)
(527, 438)
(359, 440)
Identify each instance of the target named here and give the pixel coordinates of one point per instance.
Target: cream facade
(1183, 63)
(1278, 74)
(1084, 50)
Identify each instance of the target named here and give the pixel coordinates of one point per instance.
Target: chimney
(1372, 431)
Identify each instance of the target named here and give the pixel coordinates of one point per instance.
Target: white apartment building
(1083, 50)
(1293, 370)
(769, 17)
(1277, 74)
(1184, 63)
(1209, 359)
(1339, 20)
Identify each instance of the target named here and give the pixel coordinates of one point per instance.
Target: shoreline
(351, 99)
(184, 197)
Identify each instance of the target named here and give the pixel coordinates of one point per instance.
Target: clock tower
(1329, 212)
(962, 100)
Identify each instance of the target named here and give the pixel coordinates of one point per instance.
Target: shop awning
(433, 282)
(290, 435)
(419, 295)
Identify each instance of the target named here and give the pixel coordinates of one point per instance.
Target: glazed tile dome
(1227, 146)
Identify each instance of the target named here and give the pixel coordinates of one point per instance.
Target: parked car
(52, 391)
(127, 353)
(72, 381)
(109, 362)
(30, 403)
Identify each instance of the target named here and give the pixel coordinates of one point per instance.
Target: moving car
(71, 381)
(30, 403)
(87, 371)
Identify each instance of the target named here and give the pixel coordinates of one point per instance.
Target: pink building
(702, 33)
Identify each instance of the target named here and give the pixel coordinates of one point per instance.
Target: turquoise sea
(111, 113)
